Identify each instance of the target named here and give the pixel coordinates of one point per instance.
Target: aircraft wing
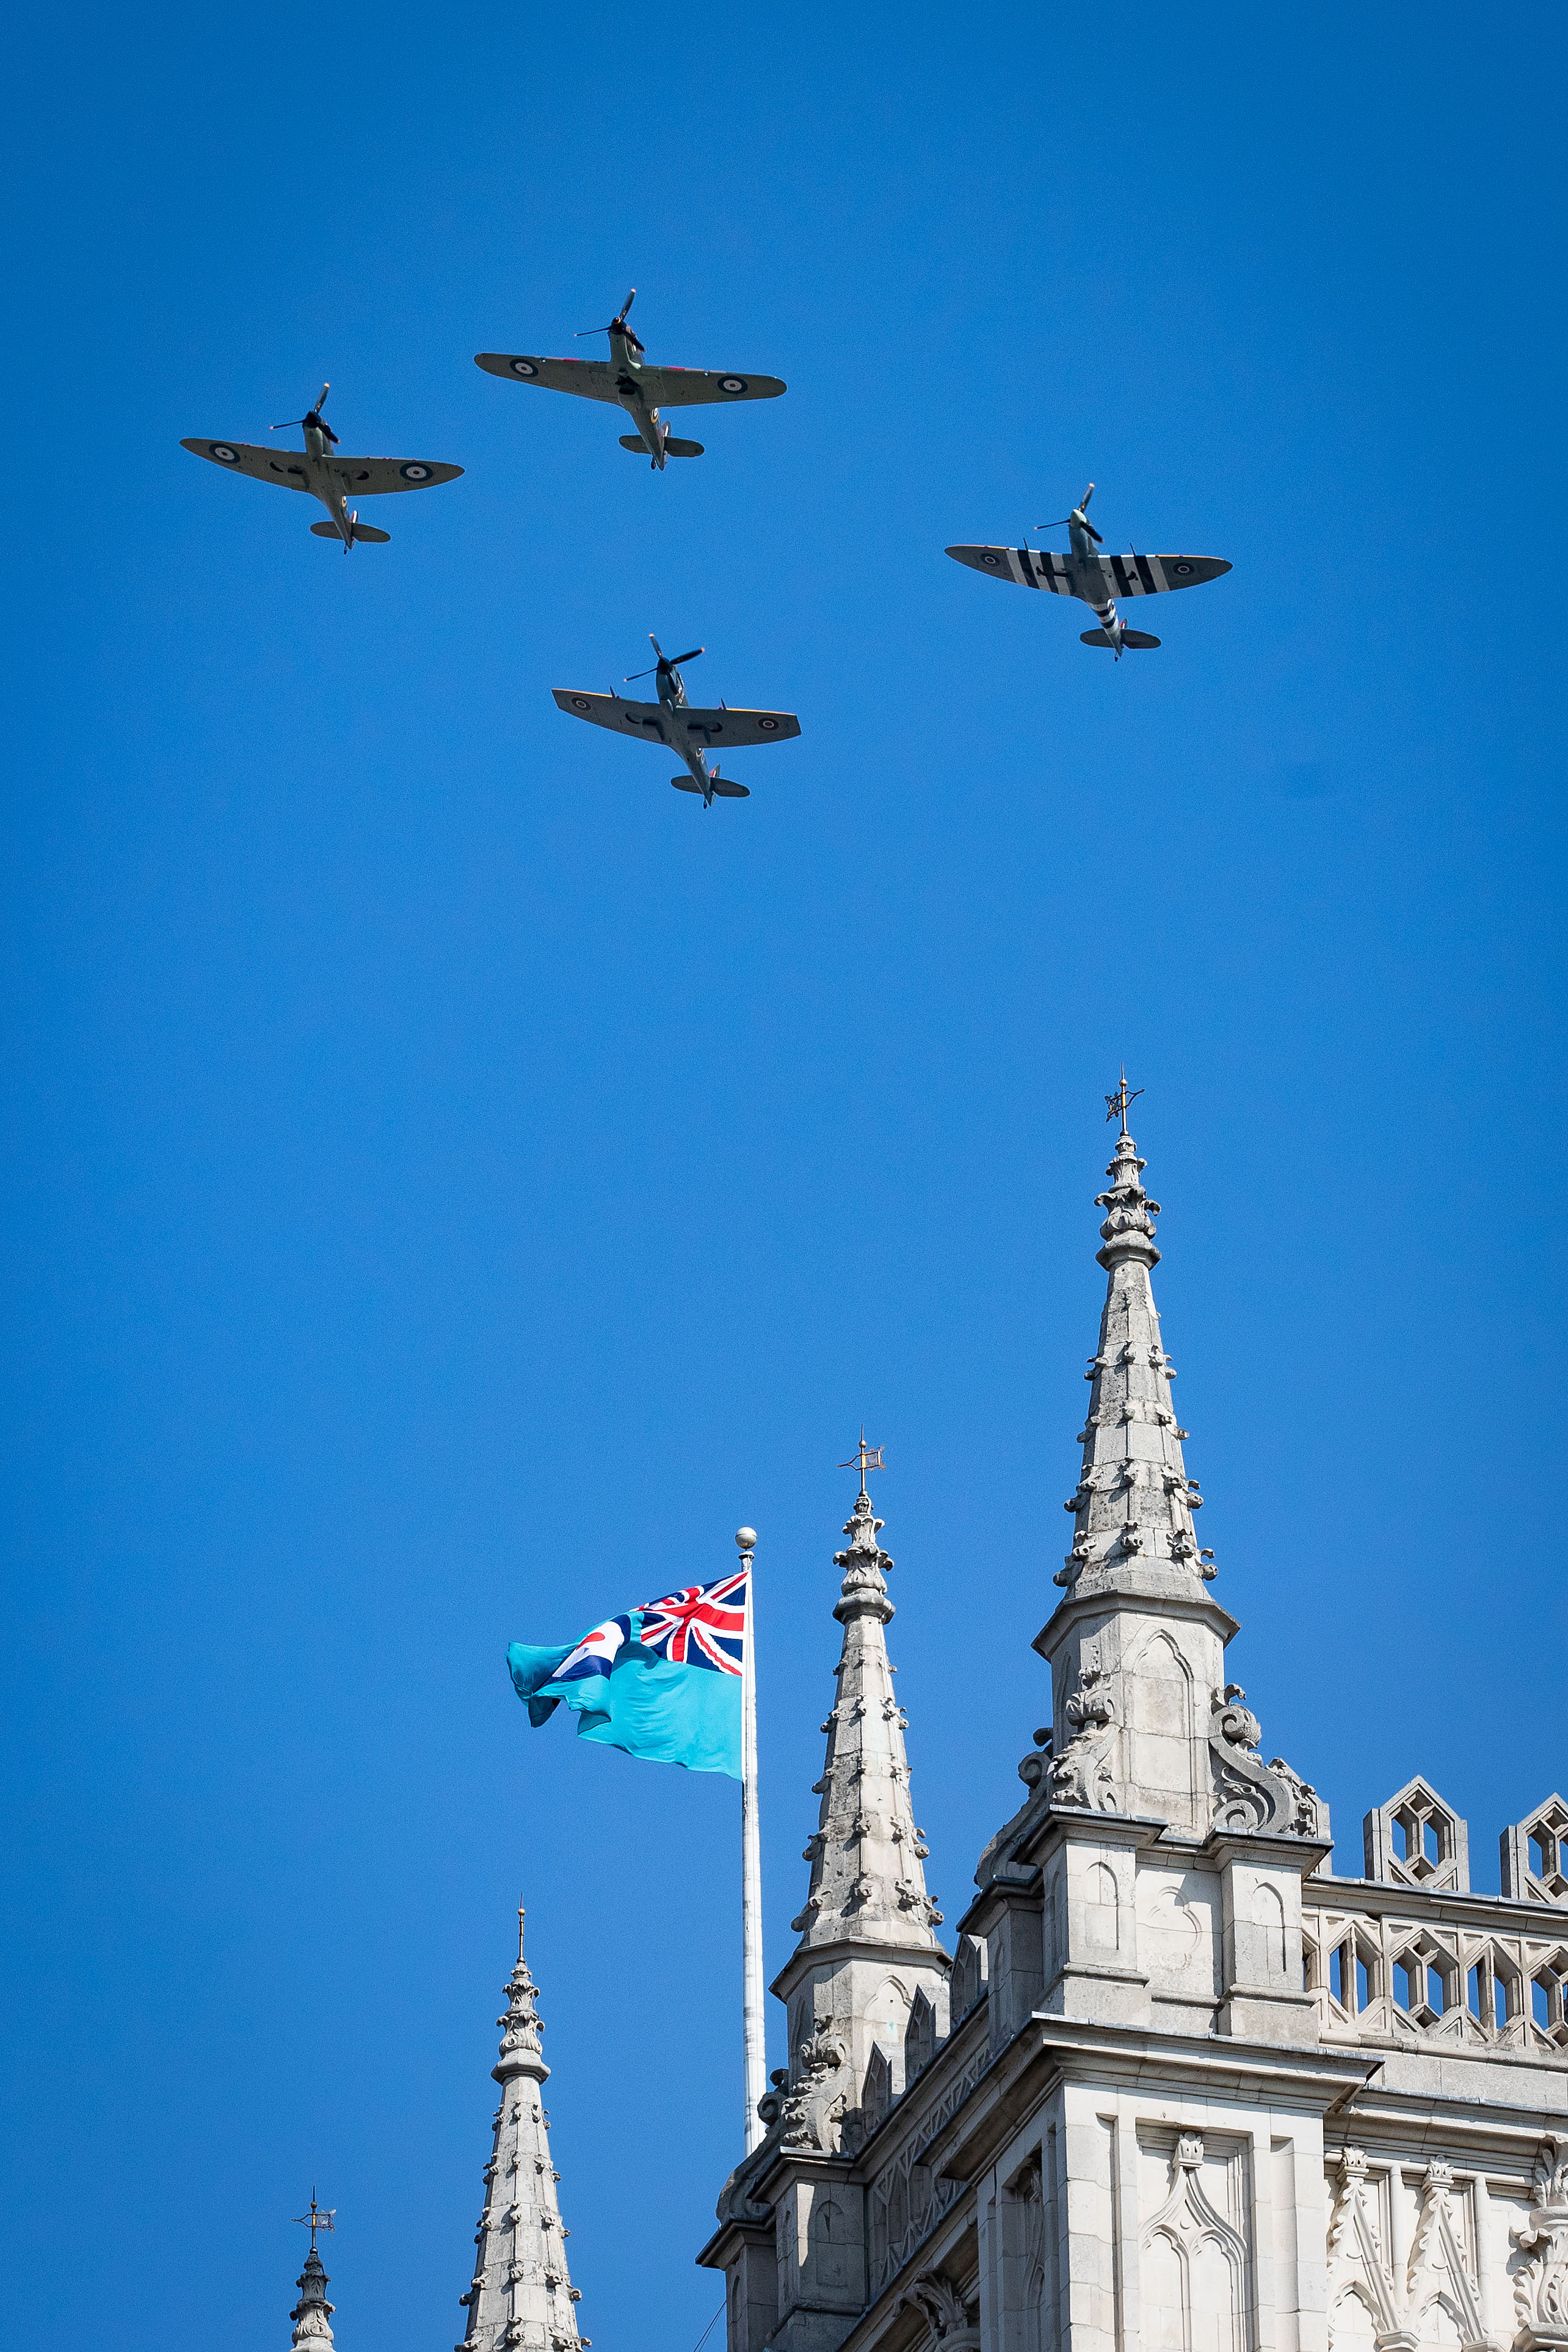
(372, 477)
(590, 378)
(724, 730)
(281, 466)
(1150, 575)
(1025, 567)
(674, 387)
(644, 719)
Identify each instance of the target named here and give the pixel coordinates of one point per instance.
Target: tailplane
(366, 530)
(1132, 640)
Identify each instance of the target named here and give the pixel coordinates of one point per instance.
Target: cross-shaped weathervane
(1116, 1103)
(316, 2219)
(865, 1457)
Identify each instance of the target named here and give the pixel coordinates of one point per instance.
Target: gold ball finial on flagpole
(746, 1538)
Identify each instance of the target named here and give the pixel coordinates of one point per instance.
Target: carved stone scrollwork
(1249, 1794)
(814, 2107)
(1082, 1774)
(952, 2327)
(1541, 2287)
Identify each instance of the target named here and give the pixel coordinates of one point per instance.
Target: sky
(453, 1181)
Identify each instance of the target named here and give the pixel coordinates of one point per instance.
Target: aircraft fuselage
(672, 698)
(627, 374)
(328, 482)
(1089, 586)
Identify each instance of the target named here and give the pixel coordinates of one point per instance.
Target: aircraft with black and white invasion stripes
(1095, 580)
(690, 734)
(327, 476)
(641, 389)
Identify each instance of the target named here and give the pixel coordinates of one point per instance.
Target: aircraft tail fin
(1133, 640)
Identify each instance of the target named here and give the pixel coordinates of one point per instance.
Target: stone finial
(521, 2298)
(311, 2315)
(1127, 1232)
(1417, 1840)
(1535, 1855)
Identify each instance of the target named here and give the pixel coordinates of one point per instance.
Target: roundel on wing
(731, 383)
(415, 473)
(523, 367)
(991, 560)
(1182, 569)
(221, 449)
(579, 702)
(767, 726)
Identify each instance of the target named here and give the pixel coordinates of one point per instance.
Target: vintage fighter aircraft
(689, 733)
(332, 479)
(642, 391)
(1092, 577)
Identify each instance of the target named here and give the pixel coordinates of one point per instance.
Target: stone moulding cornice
(1302, 1853)
(1379, 1898)
(809, 1958)
(1049, 2049)
(1410, 2125)
(1196, 1607)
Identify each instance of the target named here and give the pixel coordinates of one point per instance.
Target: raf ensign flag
(663, 1681)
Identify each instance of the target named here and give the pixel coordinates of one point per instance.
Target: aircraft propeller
(664, 663)
(311, 416)
(617, 324)
(1078, 517)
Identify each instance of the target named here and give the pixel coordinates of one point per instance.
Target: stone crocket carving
(1541, 2287)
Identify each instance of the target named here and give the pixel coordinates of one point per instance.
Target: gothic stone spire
(868, 1952)
(1144, 1722)
(522, 2295)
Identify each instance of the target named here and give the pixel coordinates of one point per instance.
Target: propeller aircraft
(1091, 577)
(327, 476)
(642, 391)
(690, 734)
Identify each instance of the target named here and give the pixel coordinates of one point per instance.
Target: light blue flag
(663, 1681)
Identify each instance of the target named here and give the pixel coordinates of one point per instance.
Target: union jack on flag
(700, 1625)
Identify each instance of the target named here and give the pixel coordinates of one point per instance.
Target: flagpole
(750, 1866)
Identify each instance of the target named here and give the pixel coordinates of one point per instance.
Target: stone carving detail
(904, 2202)
(1535, 1855)
(814, 2105)
(1186, 2224)
(1416, 1840)
(1437, 2271)
(1251, 1794)
(1082, 1774)
(953, 2327)
(1540, 2288)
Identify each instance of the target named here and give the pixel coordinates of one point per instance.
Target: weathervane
(866, 1457)
(1116, 1103)
(316, 2219)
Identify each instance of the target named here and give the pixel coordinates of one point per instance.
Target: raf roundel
(221, 449)
(731, 383)
(415, 473)
(523, 367)
(580, 702)
(767, 726)
(991, 560)
(1181, 569)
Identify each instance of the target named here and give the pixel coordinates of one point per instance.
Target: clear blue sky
(452, 1179)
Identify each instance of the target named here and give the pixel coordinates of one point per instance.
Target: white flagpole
(751, 1867)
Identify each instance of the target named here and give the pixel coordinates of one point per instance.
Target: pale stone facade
(1180, 2088)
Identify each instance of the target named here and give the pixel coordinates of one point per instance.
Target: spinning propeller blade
(1078, 517)
(316, 411)
(666, 662)
(618, 321)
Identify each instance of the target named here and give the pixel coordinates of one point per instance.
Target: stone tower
(521, 2294)
(1191, 2092)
